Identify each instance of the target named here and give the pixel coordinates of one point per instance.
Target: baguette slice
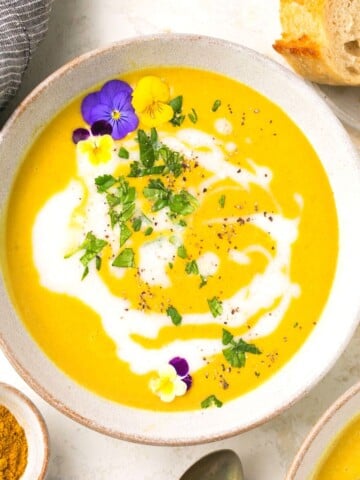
(321, 39)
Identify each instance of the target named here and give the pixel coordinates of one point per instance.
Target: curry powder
(13, 446)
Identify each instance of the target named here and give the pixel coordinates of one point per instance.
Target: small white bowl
(319, 439)
(31, 420)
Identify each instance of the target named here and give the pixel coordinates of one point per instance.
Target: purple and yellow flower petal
(181, 366)
(167, 385)
(150, 100)
(113, 105)
(97, 149)
(101, 127)
(80, 134)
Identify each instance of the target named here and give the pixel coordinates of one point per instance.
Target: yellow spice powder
(13, 446)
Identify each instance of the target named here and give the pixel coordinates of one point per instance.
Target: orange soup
(171, 239)
(342, 460)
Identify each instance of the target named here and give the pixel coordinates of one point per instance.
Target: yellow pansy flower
(168, 384)
(150, 101)
(98, 149)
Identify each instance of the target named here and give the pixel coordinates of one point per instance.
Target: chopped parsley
(104, 182)
(215, 306)
(211, 401)
(125, 233)
(125, 259)
(235, 353)
(181, 252)
(175, 316)
(182, 203)
(203, 281)
(176, 104)
(148, 231)
(193, 116)
(222, 200)
(136, 223)
(216, 105)
(152, 152)
(93, 247)
(120, 197)
(192, 268)
(123, 153)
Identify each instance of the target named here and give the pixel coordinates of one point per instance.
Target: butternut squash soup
(342, 461)
(171, 239)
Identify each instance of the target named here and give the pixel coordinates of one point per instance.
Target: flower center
(115, 114)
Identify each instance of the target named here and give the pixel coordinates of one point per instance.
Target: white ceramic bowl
(30, 419)
(332, 422)
(340, 160)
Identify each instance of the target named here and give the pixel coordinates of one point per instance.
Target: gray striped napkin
(23, 23)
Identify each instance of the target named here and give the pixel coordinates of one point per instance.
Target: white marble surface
(77, 453)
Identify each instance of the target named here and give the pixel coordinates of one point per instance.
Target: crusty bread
(321, 39)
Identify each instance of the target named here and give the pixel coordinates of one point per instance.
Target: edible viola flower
(97, 149)
(150, 100)
(101, 127)
(112, 104)
(182, 369)
(168, 384)
(96, 143)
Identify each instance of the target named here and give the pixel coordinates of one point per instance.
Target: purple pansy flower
(112, 104)
(101, 127)
(182, 369)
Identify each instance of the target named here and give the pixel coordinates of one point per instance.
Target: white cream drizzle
(57, 231)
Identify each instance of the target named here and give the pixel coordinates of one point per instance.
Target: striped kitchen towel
(23, 23)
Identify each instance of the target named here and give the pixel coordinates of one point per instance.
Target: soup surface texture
(171, 239)
(342, 461)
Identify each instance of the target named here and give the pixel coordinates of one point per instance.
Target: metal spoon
(220, 465)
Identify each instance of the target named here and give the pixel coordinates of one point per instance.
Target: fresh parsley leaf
(114, 217)
(157, 192)
(127, 212)
(192, 268)
(226, 337)
(175, 316)
(125, 259)
(215, 306)
(136, 224)
(176, 104)
(125, 233)
(123, 153)
(85, 272)
(203, 281)
(182, 223)
(235, 353)
(148, 231)
(104, 182)
(216, 105)
(171, 265)
(211, 401)
(182, 203)
(181, 252)
(93, 247)
(222, 200)
(137, 170)
(193, 116)
(173, 160)
(177, 120)
(97, 262)
(235, 357)
(147, 147)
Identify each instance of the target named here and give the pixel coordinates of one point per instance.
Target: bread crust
(317, 39)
